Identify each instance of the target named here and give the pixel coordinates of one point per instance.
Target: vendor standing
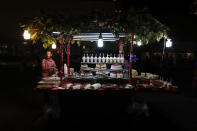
(48, 65)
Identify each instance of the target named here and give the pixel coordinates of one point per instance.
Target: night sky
(174, 13)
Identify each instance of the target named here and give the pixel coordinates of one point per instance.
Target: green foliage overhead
(145, 27)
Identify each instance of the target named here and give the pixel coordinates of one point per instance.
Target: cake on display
(98, 66)
(116, 67)
(84, 67)
(103, 66)
(101, 74)
(113, 74)
(86, 74)
(116, 75)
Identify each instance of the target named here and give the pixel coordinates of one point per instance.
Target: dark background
(176, 14)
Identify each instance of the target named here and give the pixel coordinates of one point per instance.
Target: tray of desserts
(109, 86)
(51, 78)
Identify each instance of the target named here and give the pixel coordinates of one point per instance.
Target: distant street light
(26, 35)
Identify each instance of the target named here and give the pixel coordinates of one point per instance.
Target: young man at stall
(48, 65)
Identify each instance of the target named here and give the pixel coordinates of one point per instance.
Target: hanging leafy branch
(145, 27)
(41, 28)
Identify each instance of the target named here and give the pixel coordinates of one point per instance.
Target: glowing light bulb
(168, 43)
(100, 42)
(26, 35)
(56, 32)
(139, 43)
(53, 46)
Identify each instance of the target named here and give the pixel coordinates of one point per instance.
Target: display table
(91, 107)
(102, 99)
(118, 84)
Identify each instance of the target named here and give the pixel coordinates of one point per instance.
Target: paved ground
(180, 110)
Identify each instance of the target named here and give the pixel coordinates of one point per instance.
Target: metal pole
(164, 48)
(163, 57)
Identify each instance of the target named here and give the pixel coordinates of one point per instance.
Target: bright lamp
(53, 46)
(26, 35)
(139, 43)
(168, 43)
(100, 41)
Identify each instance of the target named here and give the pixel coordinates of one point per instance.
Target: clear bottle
(84, 58)
(99, 58)
(118, 59)
(122, 59)
(88, 59)
(107, 59)
(114, 59)
(111, 59)
(92, 59)
(103, 58)
(95, 58)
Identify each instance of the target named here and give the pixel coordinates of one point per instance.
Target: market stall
(99, 90)
(103, 83)
(102, 72)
